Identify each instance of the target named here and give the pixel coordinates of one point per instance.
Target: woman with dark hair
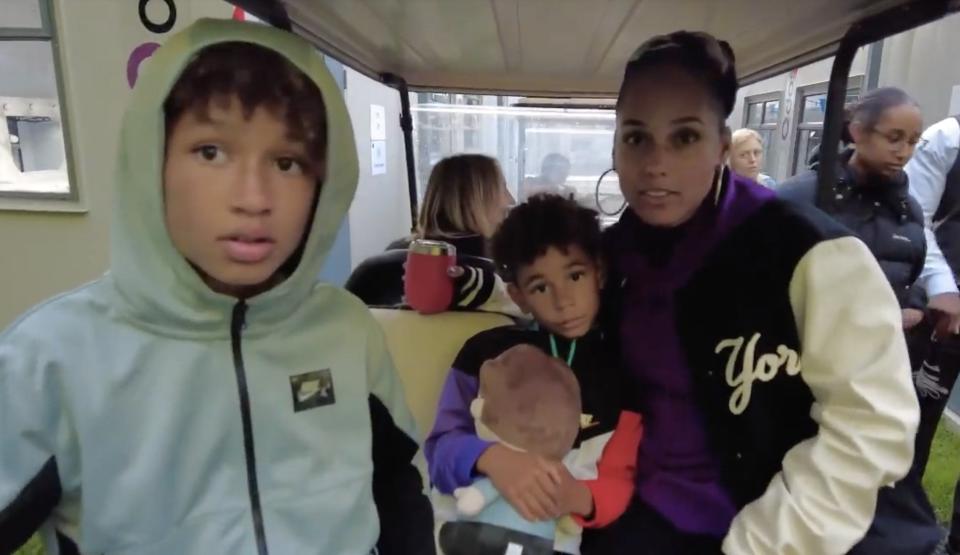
(871, 199)
(767, 344)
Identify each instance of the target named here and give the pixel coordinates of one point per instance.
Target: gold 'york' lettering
(752, 368)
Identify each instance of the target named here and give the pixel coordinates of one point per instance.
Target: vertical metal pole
(833, 124)
(874, 61)
(869, 30)
(406, 125)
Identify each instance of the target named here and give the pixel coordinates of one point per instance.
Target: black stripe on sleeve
(28, 511)
(406, 516)
(474, 287)
(66, 545)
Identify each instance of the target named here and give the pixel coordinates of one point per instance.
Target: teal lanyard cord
(573, 350)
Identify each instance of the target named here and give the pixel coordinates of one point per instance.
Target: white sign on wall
(378, 123)
(378, 157)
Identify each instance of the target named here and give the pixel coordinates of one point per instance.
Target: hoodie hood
(156, 284)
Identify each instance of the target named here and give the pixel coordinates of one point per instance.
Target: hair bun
(706, 57)
(728, 52)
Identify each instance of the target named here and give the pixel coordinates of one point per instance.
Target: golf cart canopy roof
(560, 47)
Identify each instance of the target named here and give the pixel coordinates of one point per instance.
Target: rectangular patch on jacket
(312, 390)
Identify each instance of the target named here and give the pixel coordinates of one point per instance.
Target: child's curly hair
(544, 221)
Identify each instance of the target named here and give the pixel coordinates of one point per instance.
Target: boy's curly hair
(544, 221)
(258, 77)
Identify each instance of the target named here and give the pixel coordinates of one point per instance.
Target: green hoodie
(144, 413)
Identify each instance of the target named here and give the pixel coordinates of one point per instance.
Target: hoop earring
(719, 178)
(596, 196)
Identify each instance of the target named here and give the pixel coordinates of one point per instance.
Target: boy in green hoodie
(208, 395)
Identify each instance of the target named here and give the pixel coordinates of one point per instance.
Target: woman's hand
(947, 307)
(530, 483)
(911, 317)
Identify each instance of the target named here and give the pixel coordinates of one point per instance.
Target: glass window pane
(769, 155)
(21, 14)
(754, 114)
(562, 150)
(814, 139)
(809, 141)
(36, 143)
(771, 111)
(853, 95)
(32, 151)
(27, 69)
(813, 108)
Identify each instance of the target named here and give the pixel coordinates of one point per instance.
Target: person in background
(871, 199)
(746, 156)
(554, 171)
(465, 201)
(934, 174)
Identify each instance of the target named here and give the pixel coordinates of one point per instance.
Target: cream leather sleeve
(854, 360)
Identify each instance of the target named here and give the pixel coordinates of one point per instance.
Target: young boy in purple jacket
(548, 251)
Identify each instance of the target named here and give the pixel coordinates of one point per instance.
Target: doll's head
(529, 401)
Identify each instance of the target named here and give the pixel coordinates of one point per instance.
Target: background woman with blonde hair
(465, 201)
(746, 156)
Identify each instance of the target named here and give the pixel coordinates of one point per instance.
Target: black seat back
(378, 280)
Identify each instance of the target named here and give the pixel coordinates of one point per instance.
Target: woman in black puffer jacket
(871, 194)
(872, 200)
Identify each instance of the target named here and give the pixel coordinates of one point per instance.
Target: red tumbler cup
(428, 286)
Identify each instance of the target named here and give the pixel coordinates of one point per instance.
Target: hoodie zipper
(237, 324)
